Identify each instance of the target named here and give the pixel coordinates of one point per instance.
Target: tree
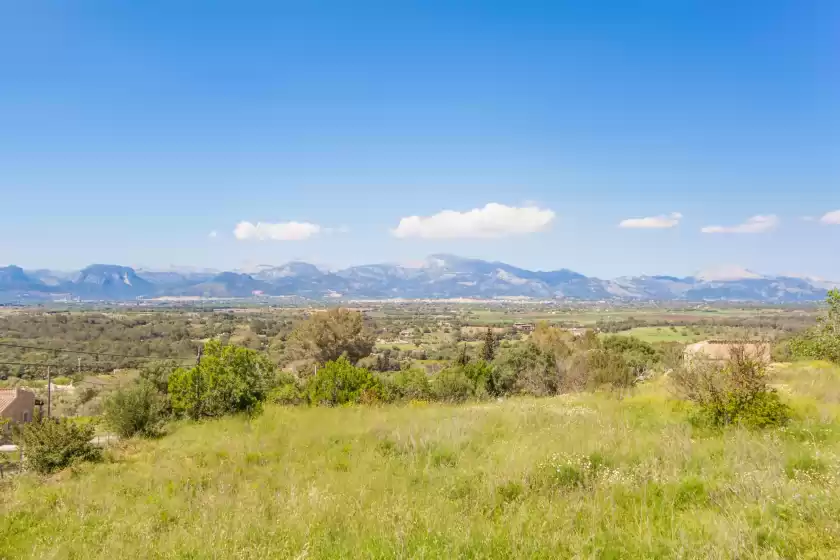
(823, 341)
(340, 382)
(327, 336)
(488, 351)
(229, 379)
(138, 410)
(463, 358)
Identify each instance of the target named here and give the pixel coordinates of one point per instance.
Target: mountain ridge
(439, 276)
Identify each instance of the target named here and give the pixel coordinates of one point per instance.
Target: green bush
(452, 385)
(50, 445)
(287, 394)
(408, 384)
(732, 393)
(136, 411)
(229, 379)
(761, 410)
(340, 382)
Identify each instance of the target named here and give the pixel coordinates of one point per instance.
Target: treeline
(550, 362)
(129, 339)
(780, 324)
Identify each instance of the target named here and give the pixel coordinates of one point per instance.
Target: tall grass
(588, 476)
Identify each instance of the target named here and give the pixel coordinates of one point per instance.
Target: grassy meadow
(584, 476)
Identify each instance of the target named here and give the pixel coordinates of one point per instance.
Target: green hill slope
(553, 478)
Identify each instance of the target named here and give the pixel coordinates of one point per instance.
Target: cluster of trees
(777, 324)
(551, 362)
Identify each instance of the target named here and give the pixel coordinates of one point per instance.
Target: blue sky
(129, 131)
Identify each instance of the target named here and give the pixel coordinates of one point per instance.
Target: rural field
(590, 475)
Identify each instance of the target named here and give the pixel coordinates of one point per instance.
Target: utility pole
(79, 367)
(198, 357)
(49, 392)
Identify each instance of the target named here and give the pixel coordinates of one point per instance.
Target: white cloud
(283, 231)
(494, 220)
(756, 224)
(213, 234)
(831, 218)
(662, 221)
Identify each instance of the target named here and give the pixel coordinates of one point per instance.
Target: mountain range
(438, 277)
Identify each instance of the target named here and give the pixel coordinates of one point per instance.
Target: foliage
(50, 445)
(587, 477)
(340, 382)
(488, 349)
(136, 411)
(329, 335)
(157, 374)
(527, 369)
(823, 341)
(452, 385)
(229, 379)
(287, 394)
(732, 393)
(408, 384)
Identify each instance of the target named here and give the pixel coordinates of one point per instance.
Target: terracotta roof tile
(7, 397)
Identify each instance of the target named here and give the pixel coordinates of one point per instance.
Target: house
(720, 350)
(524, 327)
(17, 405)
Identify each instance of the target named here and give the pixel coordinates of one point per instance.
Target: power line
(67, 350)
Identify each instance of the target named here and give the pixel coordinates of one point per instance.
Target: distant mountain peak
(727, 273)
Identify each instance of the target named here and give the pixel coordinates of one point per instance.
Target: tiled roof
(7, 397)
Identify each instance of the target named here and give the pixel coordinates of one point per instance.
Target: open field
(586, 476)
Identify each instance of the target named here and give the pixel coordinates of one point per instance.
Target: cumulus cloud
(663, 221)
(756, 224)
(282, 231)
(492, 221)
(831, 218)
(213, 234)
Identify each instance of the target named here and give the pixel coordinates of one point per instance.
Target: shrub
(157, 373)
(408, 384)
(452, 385)
(50, 445)
(527, 369)
(138, 410)
(732, 393)
(340, 382)
(287, 394)
(229, 379)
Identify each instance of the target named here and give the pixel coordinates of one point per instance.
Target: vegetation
(329, 335)
(732, 393)
(229, 379)
(136, 411)
(823, 341)
(339, 382)
(629, 452)
(50, 445)
(587, 476)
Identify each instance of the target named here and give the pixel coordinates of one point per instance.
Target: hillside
(585, 476)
